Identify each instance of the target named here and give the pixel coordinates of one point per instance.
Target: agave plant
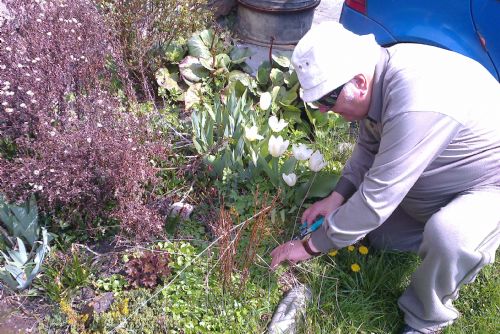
(21, 222)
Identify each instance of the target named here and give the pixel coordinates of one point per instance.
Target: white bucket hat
(329, 55)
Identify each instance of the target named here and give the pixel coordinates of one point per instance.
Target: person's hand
(322, 208)
(291, 251)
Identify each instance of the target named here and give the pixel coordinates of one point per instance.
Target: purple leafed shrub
(75, 146)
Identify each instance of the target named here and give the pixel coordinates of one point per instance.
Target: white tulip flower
(275, 124)
(290, 179)
(301, 152)
(316, 162)
(277, 146)
(265, 101)
(252, 133)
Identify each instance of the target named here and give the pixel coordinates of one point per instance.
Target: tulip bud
(290, 179)
(277, 146)
(301, 152)
(252, 133)
(316, 162)
(275, 124)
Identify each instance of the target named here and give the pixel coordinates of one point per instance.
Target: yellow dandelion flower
(350, 248)
(363, 250)
(355, 267)
(333, 252)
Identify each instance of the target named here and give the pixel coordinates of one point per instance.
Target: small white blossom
(277, 146)
(252, 133)
(89, 140)
(9, 110)
(3, 67)
(301, 152)
(52, 133)
(275, 124)
(5, 103)
(36, 172)
(8, 48)
(30, 93)
(38, 20)
(99, 125)
(22, 105)
(265, 100)
(290, 179)
(316, 162)
(49, 34)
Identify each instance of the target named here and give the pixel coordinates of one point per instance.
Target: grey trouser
(454, 244)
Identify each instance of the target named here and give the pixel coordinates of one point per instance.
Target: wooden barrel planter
(278, 22)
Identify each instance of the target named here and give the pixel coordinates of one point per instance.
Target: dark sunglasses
(330, 99)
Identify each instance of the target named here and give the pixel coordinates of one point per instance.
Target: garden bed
(146, 175)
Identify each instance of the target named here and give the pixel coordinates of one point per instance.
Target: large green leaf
(192, 96)
(263, 73)
(21, 221)
(281, 60)
(291, 79)
(199, 44)
(174, 52)
(322, 187)
(167, 80)
(240, 54)
(277, 77)
(222, 61)
(192, 70)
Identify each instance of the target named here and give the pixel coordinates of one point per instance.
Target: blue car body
(469, 27)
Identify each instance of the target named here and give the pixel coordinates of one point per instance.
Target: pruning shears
(304, 230)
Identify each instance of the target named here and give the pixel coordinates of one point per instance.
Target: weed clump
(63, 136)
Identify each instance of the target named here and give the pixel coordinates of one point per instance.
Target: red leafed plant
(148, 269)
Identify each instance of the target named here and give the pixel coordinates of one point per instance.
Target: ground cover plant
(146, 174)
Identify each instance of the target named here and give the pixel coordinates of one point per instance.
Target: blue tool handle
(317, 223)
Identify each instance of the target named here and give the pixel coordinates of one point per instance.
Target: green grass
(366, 301)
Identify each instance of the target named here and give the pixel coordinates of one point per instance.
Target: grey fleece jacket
(432, 131)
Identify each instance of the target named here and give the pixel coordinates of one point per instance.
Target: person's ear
(361, 83)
